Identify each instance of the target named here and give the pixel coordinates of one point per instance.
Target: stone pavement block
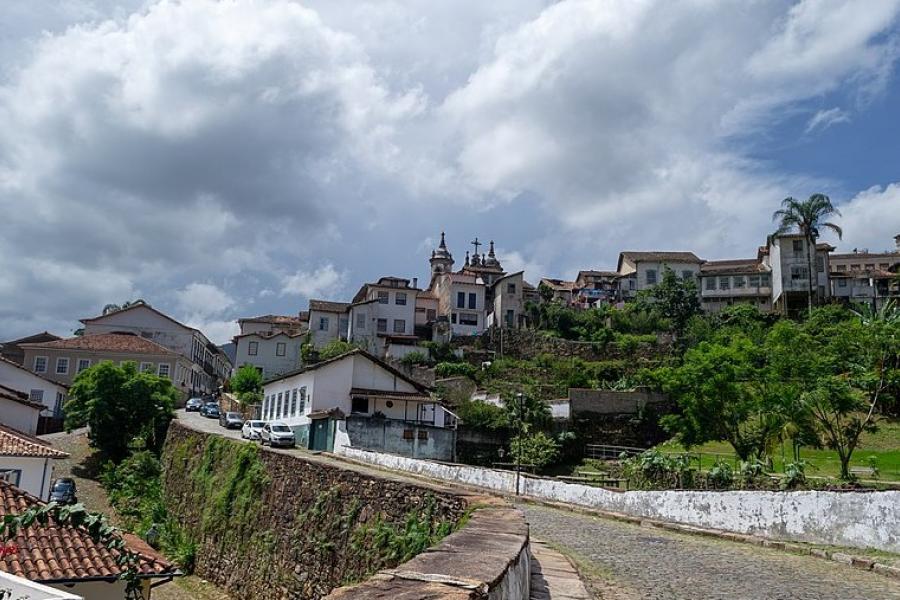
(553, 577)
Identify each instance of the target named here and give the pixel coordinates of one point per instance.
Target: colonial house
(208, 363)
(865, 277)
(66, 558)
(358, 400)
(509, 302)
(593, 287)
(63, 360)
(271, 343)
(640, 271)
(562, 291)
(382, 316)
(13, 352)
(787, 257)
(328, 321)
(40, 390)
(728, 282)
(26, 462)
(18, 412)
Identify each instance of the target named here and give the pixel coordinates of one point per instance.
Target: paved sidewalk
(553, 577)
(621, 561)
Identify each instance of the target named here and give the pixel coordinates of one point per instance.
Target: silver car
(252, 429)
(276, 433)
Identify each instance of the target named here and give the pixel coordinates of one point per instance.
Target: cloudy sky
(226, 159)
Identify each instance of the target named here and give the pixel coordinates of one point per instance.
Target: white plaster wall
(266, 355)
(861, 520)
(19, 416)
(18, 378)
(141, 320)
(320, 338)
(369, 375)
(102, 590)
(25, 589)
(36, 473)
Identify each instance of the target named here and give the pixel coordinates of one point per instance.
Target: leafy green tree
(120, 405)
(807, 217)
(247, 384)
(723, 395)
(481, 415)
(675, 299)
(528, 414)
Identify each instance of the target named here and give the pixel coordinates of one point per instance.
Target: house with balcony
(361, 401)
(787, 257)
(209, 364)
(728, 282)
(39, 389)
(270, 343)
(863, 277)
(638, 271)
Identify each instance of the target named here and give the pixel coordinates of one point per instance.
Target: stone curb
(859, 562)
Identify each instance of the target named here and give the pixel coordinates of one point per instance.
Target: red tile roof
(662, 256)
(106, 342)
(328, 306)
(9, 393)
(742, 265)
(16, 443)
(63, 553)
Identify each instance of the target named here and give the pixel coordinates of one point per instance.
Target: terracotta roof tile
(106, 342)
(328, 306)
(16, 443)
(742, 265)
(276, 320)
(55, 553)
(662, 256)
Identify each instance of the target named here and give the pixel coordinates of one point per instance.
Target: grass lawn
(884, 445)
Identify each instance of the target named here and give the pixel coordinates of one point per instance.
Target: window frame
(460, 299)
(398, 297)
(402, 324)
(79, 369)
(159, 369)
(280, 348)
(324, 323)
(473, 301)
(62, 360)
(46, 361)
(650, 276)
(253, 348)
(383, 297)
(381, 326)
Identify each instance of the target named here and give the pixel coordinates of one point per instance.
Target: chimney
(416, 279)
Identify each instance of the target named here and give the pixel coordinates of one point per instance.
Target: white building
(27, 462)
(18, 412)
(210, 366)
(787, 257)
(358, 400)
(640, 271)
(40, 390)
(729, 282)
(271, 343)
(509, 304)
(328, 321)
(863, 277)
(383, 315)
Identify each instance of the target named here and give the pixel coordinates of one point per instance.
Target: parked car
(63, 491)
(210, 410)
(194, 405)
(252, 429)
(276, 433)
(231, 420)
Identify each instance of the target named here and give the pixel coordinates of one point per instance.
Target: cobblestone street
(629, 562)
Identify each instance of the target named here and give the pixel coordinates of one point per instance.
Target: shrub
(452, 369)
(794, 475)
(721, 475)
(481, 415)
(414, 358)
(335, 348)
(538, 449)
(653, 470)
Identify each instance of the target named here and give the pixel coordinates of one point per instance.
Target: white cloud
(203, 299)
(323, 282)
(825, 118)
(871, 219)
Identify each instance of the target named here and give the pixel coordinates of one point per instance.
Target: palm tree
(807, 217)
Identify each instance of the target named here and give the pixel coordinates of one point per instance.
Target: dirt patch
(83, 465)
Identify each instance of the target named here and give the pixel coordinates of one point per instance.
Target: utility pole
(520, 398)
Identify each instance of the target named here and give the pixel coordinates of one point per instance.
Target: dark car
(211, 410)
(63, 491)
(231, 420)
(194, 405)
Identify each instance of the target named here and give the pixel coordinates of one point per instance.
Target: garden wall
(856, 519)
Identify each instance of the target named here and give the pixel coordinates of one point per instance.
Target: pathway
(622, 561)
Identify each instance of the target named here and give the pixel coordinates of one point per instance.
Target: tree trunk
(845, 465)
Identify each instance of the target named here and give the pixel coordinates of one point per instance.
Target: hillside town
(510, 300)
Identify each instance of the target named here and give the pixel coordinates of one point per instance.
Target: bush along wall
(272, 525)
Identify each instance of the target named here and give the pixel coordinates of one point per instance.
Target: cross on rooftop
(476, 243)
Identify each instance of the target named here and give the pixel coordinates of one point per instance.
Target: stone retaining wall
(487, 559)
(855, 519)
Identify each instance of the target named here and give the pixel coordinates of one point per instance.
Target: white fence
(856, 519)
